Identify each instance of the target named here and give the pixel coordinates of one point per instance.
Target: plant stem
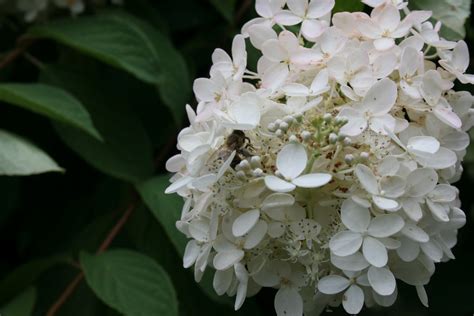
(103, 247)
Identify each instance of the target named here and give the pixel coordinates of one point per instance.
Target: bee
(237, 141)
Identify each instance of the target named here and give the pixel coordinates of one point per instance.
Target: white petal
(190, 253)
(312, 180)
(333, 284)
(175, 163)
(272, 50)
(222, 281)
(320, 82)
(277, 200)
(292, 160)
(278, 185)
(385, 225)
(421, 182)
(354, 216)
(409, 250)
(205, 89)
(380, 124)
(288, 302)
(382, 280)
(286, 17)
(246, 112)
(425, 144)
(353, 300)
(356, 124)
(355, 262)
(374, 252)
(260, 33)
(275, 76)
(276, 229)
(225, 260)
(298, 7)
(438, 211)
(412, 208)
(245, 222)
(460, 58)
(384, 43)
(447, 116)
(367, 178)
(178, 185)
(415, 233)
(420, 290)
(296, 90)
(256, 235)
(345, 243)
(381, 97)
(312, 29)
(432, 250)
(385, 204)
(443, 158)
(320, 8)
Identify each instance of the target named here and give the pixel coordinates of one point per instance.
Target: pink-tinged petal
(312, 29)
(319, 8)
(384, 43)
(288, 18)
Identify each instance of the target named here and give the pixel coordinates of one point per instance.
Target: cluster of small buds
(326, 173)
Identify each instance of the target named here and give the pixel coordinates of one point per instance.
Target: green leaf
(127, 43)
(22, 305)
(348, 6)
(25, 275)
(126, 152)
(50, 101)
(130, 282)
(452, 13)
(225, 7)
(19, 157)
(165, 207)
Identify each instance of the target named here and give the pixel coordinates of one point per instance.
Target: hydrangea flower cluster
(326, 173)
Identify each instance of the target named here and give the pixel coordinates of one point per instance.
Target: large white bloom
(326, 173)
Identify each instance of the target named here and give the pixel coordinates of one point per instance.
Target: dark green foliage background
(51, 222)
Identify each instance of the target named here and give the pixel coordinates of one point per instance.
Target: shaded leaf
(452, 13)
(125, 42)
(130, 282)
(25, 275)
(19, 157)
(126, 152)
(225, 7)
(348, 6)
(22, 305)
(50, 101)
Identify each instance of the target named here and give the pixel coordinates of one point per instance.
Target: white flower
(384, 26)
(350, 284)
(457, 62)
(291, 162)
(366, 232)
(330, 167)
(307, 13)
(372, 111)
(384, 192)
